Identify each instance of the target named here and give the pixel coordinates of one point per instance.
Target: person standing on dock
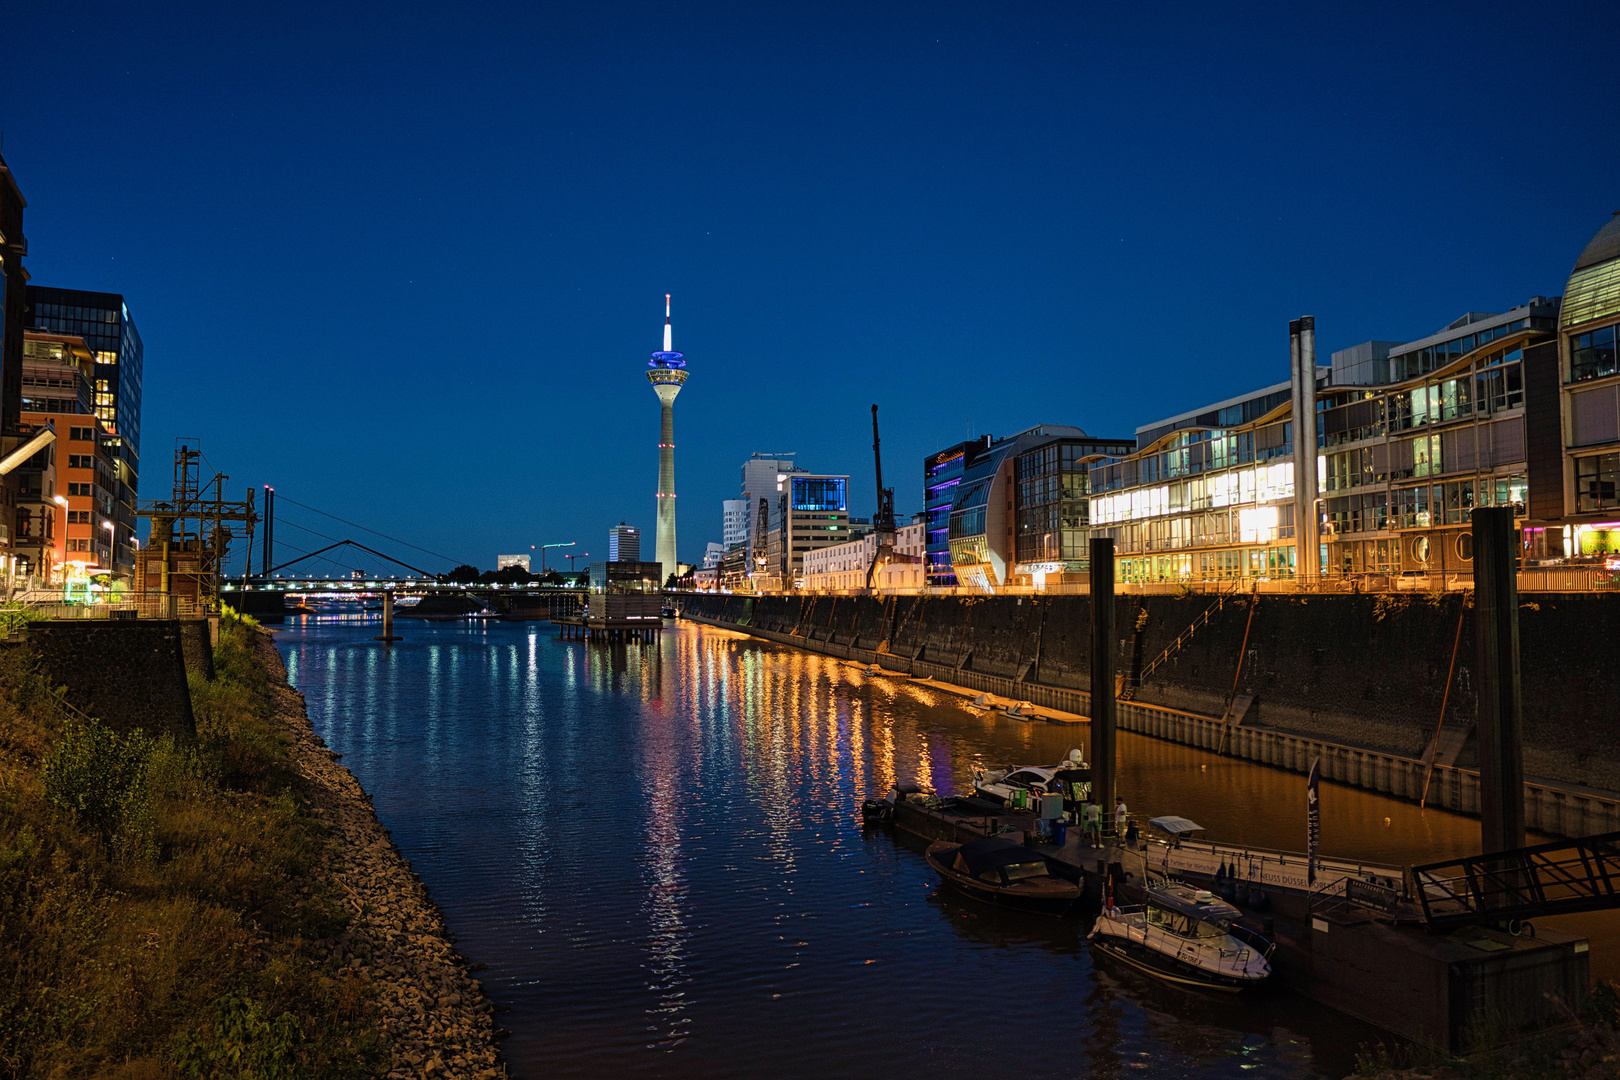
(1094, 823)
(1119, 818)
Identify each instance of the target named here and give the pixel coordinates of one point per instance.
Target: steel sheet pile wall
(1356, 680)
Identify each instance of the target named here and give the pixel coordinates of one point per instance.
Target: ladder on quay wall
(1559, 878)
(1175, 646)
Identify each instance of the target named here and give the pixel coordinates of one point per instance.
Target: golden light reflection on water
(820, 713)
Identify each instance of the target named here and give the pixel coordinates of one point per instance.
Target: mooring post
(1500, 723)
(1103, 775)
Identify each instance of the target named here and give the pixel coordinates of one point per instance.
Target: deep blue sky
(407, 266)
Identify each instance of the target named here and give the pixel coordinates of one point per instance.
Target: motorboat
(1021, 710)
(1184, 935)
(1070, 778)
(998, 871)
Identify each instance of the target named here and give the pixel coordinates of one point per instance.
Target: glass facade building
(1052, 503)
(942, 475)
(103, 321)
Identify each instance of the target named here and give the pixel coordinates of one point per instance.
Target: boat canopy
(1171, 898)
(995, 851)
(1175, 826)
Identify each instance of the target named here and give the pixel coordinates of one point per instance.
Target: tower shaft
(666, 488)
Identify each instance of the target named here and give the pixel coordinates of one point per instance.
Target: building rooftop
(1603, 247)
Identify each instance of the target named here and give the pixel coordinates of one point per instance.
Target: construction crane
(543, 549)
(883, 520)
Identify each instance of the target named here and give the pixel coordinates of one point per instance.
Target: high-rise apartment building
(103, 321)
(624, 543)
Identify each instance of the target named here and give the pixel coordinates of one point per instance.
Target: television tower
(667, 373)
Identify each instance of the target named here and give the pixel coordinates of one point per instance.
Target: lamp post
(62, 562)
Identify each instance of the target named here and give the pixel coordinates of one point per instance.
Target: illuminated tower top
(668, 358)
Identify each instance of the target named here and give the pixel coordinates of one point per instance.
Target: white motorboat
(1184, 935)
(1004, 785)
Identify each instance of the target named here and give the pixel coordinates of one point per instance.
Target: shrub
(240, 1042)
(100, 777)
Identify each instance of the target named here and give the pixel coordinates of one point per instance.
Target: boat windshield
(1020, 871)
(1184, 925)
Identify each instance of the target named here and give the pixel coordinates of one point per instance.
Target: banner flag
(1313, 817)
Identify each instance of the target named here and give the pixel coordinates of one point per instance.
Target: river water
(657, 851)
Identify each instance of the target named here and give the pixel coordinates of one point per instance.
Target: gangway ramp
(1559, 878)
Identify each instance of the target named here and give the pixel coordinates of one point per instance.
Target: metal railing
(1559, 878)
(60, 604)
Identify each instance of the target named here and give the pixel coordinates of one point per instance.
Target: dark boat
(1000, 872)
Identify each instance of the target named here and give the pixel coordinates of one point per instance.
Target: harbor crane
(883, 528)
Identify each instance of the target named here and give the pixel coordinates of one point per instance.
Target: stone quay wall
(1354, 680)
(127, 674)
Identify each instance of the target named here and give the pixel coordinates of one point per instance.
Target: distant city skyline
(983, 221)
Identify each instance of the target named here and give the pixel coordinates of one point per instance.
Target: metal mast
(667, 373)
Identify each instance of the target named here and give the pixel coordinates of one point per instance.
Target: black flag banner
(1313, 817)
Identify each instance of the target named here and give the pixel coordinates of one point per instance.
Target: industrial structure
(667, 373)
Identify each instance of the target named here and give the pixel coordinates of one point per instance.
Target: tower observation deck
(667, 373)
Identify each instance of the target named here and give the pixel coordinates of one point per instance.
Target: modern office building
(712, 554)
(1443, 429)
(66, 496)
(942, 475)
(103, 321)
(505, 562)
(734, 523)
(763, 478)
(667, 374)
(1406, 438)
(1052, 534)
(1587, 529)
(983, 519)
(624, 544)
(812, 512)
(1208, 493)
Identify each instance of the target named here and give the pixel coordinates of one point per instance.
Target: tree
(463, 574)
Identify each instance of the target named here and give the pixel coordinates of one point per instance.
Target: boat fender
(1258, 900)
(1220, 877)
(1229, 892)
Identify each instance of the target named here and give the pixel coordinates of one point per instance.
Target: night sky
(407, 265)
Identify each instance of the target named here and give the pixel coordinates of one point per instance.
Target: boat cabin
(999, 861)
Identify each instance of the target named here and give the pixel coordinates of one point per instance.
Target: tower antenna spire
(669, 343)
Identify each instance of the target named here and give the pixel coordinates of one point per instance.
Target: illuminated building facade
(624, 543)
(843, 567)
(1403, 464)
(1588, 382)
(1051, 499)
(812, 512)
(942, 476)
(1208, 494)
(666, 371)
(983, 525)
(103, 321)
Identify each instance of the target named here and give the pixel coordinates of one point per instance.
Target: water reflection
(656, 849)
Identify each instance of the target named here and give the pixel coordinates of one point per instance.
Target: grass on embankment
(160, 900)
